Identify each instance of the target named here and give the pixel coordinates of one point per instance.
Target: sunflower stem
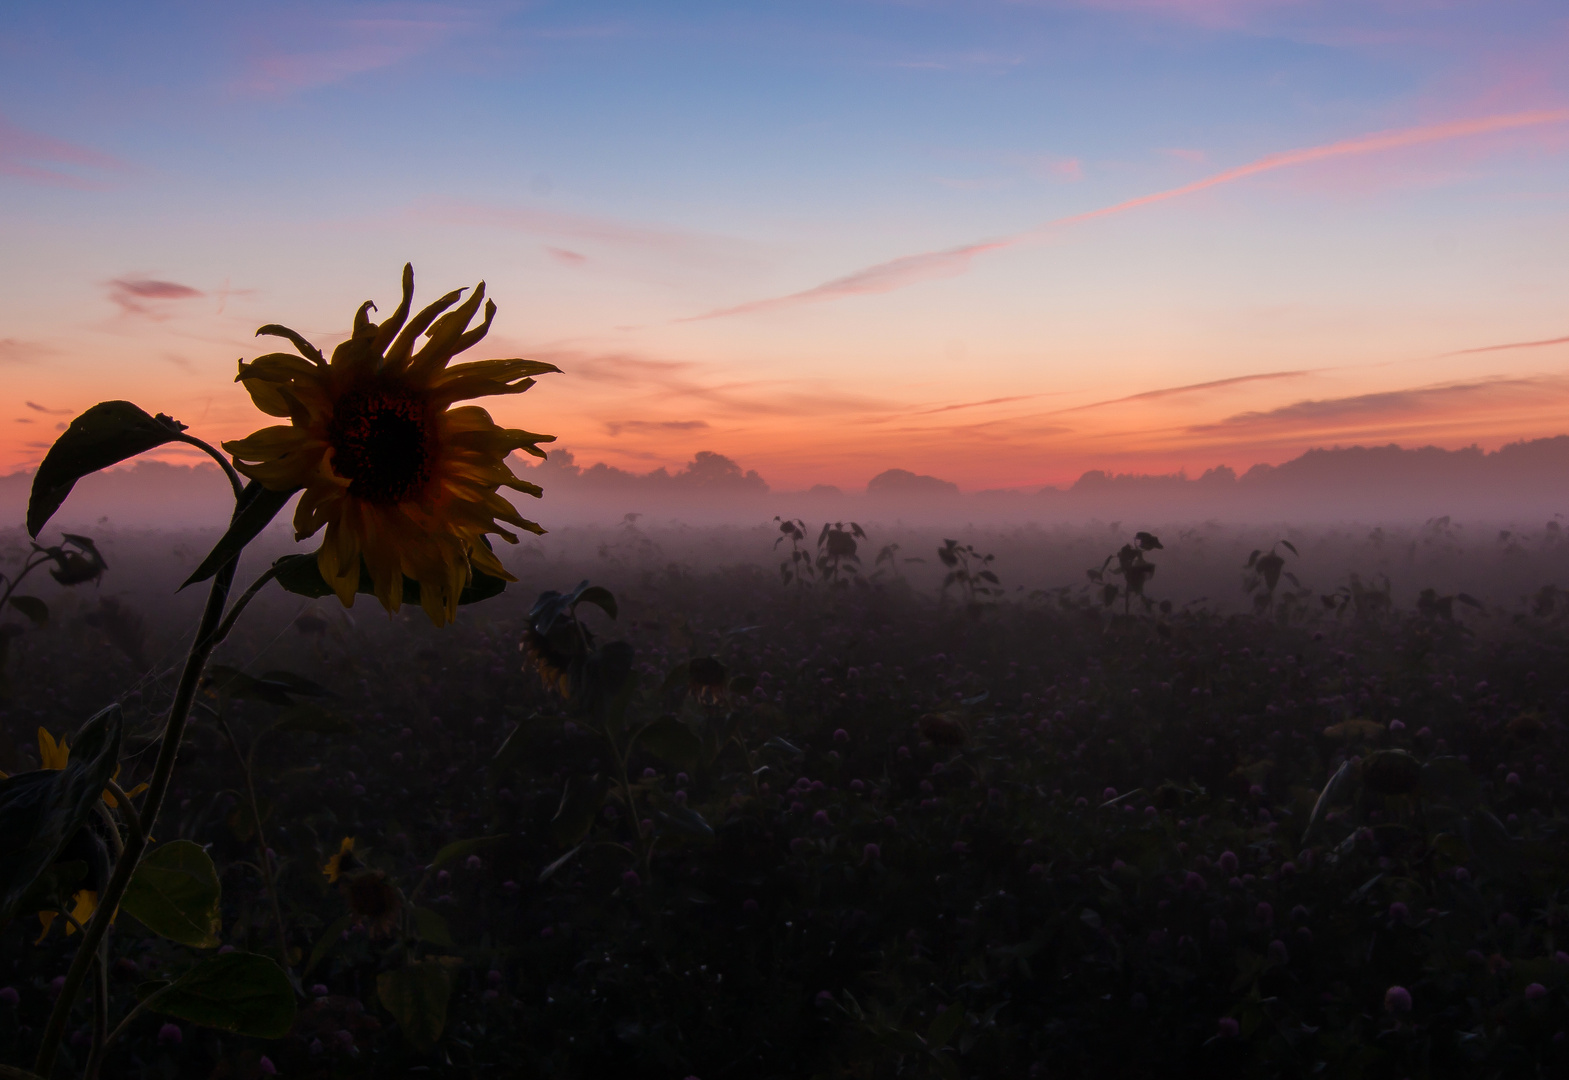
(234, 477)
(205, 641)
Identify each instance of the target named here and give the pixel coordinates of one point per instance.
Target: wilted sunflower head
(373, 899)
(403, 482)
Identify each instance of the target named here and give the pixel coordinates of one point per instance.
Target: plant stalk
(163, 772)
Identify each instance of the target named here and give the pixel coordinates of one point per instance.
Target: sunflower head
(405, 484)
(373, 899)
(342, 862)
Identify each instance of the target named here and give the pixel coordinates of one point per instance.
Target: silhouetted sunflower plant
(406, 485)
(1132, 567)
(698, 713)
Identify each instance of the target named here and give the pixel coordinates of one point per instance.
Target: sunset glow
(997, 243)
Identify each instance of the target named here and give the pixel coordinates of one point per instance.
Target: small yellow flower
(399, 478)
(344, 860)
(56, 755)
(86, 902)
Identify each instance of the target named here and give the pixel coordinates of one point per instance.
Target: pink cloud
(357, 46)
(565, 257)
(1511, 345)
(145, 296)
(1197, 157)
(579, 227)
(910, 269)
(46, 160)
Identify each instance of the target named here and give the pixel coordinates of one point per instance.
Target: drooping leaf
(416, 996)
(34, 608)
(256, 509)
(945, 1026)
(432, 928)
(545, 874)
(1336, 790)
(298, 685)
(670, 740)
(460, 849)
(104, 435)
(233, 683)
(600, 597)
(580, 802)
(685, 819)
(308, 717)
(238, 992)
(299, 574)
(1450, 779)
(41, 811)
(324, 944)
(1391, 772)
(175, 893)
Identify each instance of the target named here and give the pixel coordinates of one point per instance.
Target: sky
(997, 242)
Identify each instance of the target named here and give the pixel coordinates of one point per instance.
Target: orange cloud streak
(949, 262)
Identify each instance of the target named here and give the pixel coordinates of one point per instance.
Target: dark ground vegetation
(1052, 833)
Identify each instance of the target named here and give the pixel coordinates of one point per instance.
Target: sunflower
(342, 862)
(56, 755)
(403, 482)
(85, 902)
(373, 899)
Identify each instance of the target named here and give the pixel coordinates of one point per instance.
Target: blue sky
(172, 175)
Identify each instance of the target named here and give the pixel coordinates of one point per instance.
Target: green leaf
(685, 819)
(416, 996)
(945, 1026)
(670, 740)
(257, 507)
(580, 802)
(299, 574)
(33, 608)
(104, 435)
(233, 683)
(175, 894)
(11, 1072)
(511, 748)
(41, 811)
(459, 849)
(329, 937)
(600, 597)
(238, 992)
(1450, 778)
(545, 874)
(432, 928)
(297, 684)
(308, 717)
(1336, 790)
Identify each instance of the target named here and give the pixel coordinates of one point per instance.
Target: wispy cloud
(16, 351)
(1331, 414)
(949, 262)
(146, 297)
(566, 257)
(1191, 388)
(645, 427)
(53, 162)
(45, 409)
(351, 47)
(1511, 345)
(578, 227)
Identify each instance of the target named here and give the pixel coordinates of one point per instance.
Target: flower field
(758, 828)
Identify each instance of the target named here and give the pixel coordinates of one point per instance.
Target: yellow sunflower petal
(389, 329)
(339, 556)
(443, 338)
(51, 754)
